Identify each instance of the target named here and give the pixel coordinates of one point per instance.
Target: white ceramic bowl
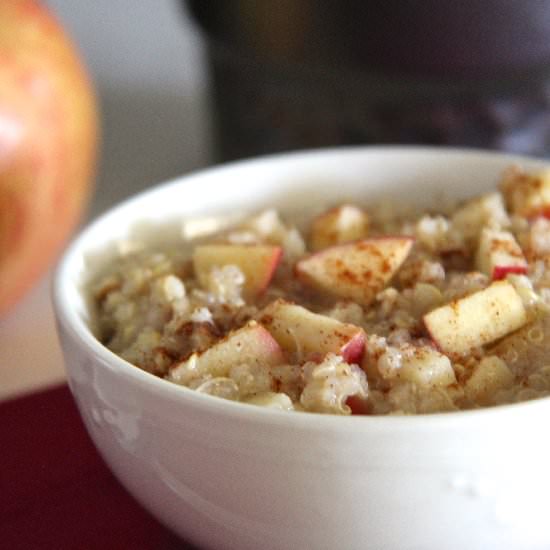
(232, 476)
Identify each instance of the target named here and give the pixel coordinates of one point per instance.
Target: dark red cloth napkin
(55, 490)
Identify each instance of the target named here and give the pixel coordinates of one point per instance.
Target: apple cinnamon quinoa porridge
(366, 311)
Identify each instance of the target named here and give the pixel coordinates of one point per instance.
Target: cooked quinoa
(365, 311)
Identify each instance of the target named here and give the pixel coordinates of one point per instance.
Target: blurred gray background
(148, 63)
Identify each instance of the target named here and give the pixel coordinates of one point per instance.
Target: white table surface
(149, 69)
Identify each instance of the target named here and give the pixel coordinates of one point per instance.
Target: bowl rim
(67, 317)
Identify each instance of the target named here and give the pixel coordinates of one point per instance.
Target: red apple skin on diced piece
(312, 335)
(257, 262)
(499, 254)
(477, 319)
(353, 351)
(500, 273)
(251, 344)
(356, 271)
(338, 225)
(358, 405)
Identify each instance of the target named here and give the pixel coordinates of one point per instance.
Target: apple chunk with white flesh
(477, 319)
(499, 254)
(357, 270)
(527, 195)
(257, 262)
(301, 331)
(488, 209)
(338, 225)
(251, 345)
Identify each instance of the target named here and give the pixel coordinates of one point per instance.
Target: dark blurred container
(289, 74)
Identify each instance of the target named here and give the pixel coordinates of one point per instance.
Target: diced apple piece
(257, 262)
(426, 366)
(477, 319)
(489, 375)
(251, 345)
(301, 331)
(338, 225)
(499, 254)
(527, 195)
(358, 270)
(477, 213)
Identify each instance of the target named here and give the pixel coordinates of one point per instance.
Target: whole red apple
(48, 143)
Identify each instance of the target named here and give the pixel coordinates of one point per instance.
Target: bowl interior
(293, 183)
